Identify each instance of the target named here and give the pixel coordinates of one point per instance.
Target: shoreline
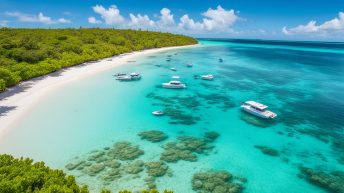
(17, 100)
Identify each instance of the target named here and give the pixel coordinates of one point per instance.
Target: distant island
(29, 53)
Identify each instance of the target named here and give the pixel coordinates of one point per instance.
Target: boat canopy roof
(256, 105)
(175, 82)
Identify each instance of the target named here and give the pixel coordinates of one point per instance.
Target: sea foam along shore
(17, 100)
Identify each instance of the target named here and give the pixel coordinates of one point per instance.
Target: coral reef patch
(267, 150)
(153, 135)
(216, 182)
(330, 181)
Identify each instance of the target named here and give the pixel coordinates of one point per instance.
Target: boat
(130, 77)
(173, 69)
(158, 113)
(174, 84)
(207, 77)
(158, 65)
(220, 60)
(135, 76)
(175, 77)
(120, 74)
(189, 65)
(124, 78)
(258, 109)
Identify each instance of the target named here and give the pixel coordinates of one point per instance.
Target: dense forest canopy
(19, 175)
(28, 53)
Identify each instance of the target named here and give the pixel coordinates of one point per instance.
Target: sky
(321, 20)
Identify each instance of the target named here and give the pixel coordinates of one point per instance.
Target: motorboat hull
(173, 86)
(262, 114)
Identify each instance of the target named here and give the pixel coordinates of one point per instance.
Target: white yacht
(207, 77)
(158, 113)
(130, 77)
(173, 69)
(258, 109)
(189, 65)
(174, 84)
(135, 76)
(124, 78)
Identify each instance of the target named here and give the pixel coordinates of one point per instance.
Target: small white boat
(173, 69)
(207, 77)
(124, 78)
(130, 77)
(258, 109)
(158, 113)
(174, 84)
(120, 74)
(135, 76)
(189, 65)
(175, 77)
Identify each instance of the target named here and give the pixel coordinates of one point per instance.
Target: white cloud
(189, 24)
(334, 26)
(63, 20)
(214, 20)
(40, 18)
(166, 18)
(140, 21)
(93, 20)
(219, 19)
(111, 15)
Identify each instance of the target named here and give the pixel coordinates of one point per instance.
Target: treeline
(19, 175)
(28, 53)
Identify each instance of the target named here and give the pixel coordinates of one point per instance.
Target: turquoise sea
(303, 82)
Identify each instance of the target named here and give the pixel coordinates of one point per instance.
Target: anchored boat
(130, 77)
(174, 84)
(207, 77)
(258, 109)
(158, 113)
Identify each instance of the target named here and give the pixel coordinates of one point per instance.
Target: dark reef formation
(185, 109)
(330, 181)
(185, 148)
(267, 150)
(216, 182)
(120, 161)
(124, 151)
(153, 135)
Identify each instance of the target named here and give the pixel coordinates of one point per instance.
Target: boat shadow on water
(257, 121)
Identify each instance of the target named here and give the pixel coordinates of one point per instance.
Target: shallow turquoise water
(303, 83)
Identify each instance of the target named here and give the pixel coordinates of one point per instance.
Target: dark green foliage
(23, 175)
(28, 53)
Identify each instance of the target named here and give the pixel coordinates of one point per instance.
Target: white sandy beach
(23, 99)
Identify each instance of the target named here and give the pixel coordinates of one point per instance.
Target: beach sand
(17, 100)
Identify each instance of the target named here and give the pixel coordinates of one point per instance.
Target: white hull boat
(130, 77)
(207, 77)
(258, 110)
(173, 69)
(158, 113)
(174, 85)
(124, 78)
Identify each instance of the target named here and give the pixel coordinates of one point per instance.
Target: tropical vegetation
(28, 53)
(19, 175)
